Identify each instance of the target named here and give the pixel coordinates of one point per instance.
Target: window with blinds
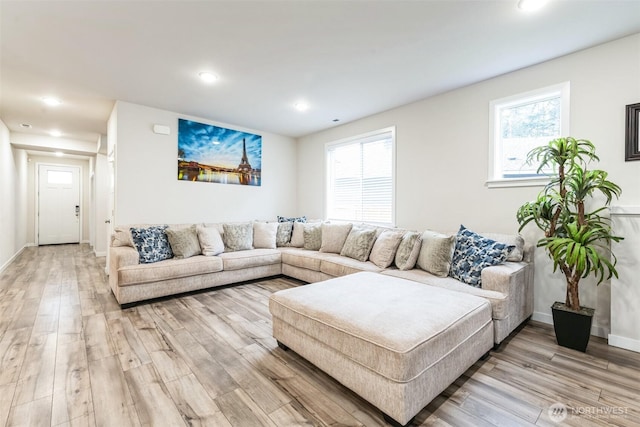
(361, 178)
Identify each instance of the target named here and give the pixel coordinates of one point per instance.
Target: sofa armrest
(120, 256)
(507, 278)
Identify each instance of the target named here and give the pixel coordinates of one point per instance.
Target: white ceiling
(346, 59)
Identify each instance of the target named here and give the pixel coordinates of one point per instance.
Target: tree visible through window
(523, 122)
(360, 178)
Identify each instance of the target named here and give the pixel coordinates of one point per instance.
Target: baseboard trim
(542, 317)
(6, 264)
(100, 254)
(596, 330)
(624, 342)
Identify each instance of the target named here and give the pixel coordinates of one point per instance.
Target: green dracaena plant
(577, 240)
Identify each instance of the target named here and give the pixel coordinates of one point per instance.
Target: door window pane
(59, 177)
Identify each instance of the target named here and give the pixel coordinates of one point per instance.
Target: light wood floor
(69, 356)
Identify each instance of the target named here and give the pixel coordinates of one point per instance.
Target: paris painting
(208, 153)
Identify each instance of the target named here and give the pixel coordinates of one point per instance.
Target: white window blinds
(360, 174)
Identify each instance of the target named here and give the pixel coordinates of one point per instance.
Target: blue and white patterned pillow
(474, 252)
(292, 219)
(152, 243)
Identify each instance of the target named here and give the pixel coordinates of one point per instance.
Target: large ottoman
(396, 343)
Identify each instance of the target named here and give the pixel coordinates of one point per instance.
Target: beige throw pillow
(297, 235)
(407, 253)
(264, 235)
(183, 241)
(359, 243)
(210, 241)
(312, 234)
(384, 248)
(436, 253)
(334, 236)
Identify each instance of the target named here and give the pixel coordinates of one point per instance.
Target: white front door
(58, 204)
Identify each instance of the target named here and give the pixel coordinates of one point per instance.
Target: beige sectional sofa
(508, 286)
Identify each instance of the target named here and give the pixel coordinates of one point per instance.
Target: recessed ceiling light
(59, 153)
(531, 5)
(25, 125)
(301, 106)
(55, 133)
(208, 77)
(51, 101)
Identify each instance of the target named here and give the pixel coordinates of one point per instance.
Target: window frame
(359, 139)
(494, 179)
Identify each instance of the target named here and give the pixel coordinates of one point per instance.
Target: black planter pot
(573, 329)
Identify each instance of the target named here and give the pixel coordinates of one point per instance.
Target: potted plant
(576, 238)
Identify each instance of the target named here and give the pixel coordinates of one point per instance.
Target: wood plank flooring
(69, 356)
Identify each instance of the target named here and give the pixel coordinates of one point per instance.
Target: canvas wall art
(209, 153)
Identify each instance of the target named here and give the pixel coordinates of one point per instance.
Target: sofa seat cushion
(168, 269)
(498, 300)
(396, 328)
(249, 258)
(302, 258)
(338, 265)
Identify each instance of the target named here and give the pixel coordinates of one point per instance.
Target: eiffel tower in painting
(244, 165)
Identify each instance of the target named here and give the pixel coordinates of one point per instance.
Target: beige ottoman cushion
(397, 330)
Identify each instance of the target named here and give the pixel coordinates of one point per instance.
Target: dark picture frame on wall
(632, 138)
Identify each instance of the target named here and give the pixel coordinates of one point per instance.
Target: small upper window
(520, 123)
(59, 177)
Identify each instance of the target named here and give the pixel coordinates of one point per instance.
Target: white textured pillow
(334, 236)
(312, 234)
(210, 241)
(238, 236)
(283, 235)
(384, 249)
(264, 235)
(436, 253)
(183, 241)
(407, 253)
(359, 243)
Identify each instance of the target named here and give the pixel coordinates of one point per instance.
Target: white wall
(34, 142)
(625, 292)
(147, 189)
(442, 152)
(32, 185)
(100, 194)
(13, 165)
